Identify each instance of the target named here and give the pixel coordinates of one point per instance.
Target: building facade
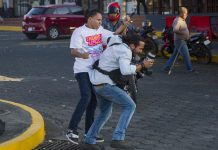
(17, 8)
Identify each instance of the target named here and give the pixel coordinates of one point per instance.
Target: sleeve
(76, 39)
(105, 35)
(124, 59)
(176, 25)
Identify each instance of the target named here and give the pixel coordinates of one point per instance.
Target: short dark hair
(132, 39)
(92, 13)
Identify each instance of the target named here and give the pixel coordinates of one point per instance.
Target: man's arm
(123, 27)
(125, 63)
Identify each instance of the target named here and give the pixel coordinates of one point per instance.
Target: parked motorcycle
(167, 38)
(197, 45)
(148, 33)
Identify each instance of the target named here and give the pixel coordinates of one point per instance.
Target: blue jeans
(183, 51)
(86, 103)
(107, 95)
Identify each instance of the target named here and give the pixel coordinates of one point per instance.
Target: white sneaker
(73, 136)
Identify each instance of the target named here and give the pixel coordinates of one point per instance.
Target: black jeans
(86, 103)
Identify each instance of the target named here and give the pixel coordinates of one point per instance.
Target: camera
(150, 57)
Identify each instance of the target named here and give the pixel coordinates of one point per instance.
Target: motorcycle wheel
(203, 55)
(166, 51)
(150, 46)
(132, 88)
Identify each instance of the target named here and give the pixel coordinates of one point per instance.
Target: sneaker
(193, 71)
(87, 146)
(73, 136)
(120, 144)
(99, 140)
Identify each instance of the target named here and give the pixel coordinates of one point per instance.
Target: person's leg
(173, 56)
(138, 7)
(112, 94)
(90, 111)
(128, 106)
(104, 114)
(144, 5)
(186, 56)
(85, 92)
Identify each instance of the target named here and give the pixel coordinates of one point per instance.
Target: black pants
(143, 4)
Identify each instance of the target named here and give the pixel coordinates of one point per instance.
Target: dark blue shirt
(107, 24)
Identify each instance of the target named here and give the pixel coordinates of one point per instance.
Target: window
(50, 11)
(62, 11)
(37, 11)
(76, 10)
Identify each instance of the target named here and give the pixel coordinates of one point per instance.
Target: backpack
(115, 75)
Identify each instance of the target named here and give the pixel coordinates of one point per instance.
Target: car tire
(31, 36)
(53, 33)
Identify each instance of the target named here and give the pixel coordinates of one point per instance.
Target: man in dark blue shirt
(113, 21)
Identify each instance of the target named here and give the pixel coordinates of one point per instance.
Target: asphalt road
(176, 112)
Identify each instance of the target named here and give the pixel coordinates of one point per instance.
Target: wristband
(125, 25)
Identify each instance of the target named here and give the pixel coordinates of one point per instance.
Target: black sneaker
(73, 136)
(120, 144)
(87, 146)
(98, 139)
(193, 71)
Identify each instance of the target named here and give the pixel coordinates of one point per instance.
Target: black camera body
(150, 57)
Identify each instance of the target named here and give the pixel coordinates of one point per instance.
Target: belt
(99, 84)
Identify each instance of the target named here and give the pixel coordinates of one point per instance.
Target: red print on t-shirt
(94, 40)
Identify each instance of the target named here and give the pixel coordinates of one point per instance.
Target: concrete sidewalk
(24, 127)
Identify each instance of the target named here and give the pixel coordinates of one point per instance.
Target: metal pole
(177, 54)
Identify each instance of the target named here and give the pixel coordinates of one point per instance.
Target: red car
(52, 20)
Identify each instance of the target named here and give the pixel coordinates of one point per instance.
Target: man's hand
(84, 55)
(123, 27)
(75, 53)
(148, 63)
(127, 19)
(145, 64)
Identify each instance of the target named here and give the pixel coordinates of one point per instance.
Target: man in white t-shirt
(86, 46)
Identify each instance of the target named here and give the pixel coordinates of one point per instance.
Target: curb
(32, 137)
(11, 28)
(5, 78)
(214, 58)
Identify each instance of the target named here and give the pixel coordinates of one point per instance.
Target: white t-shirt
(89, 40)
